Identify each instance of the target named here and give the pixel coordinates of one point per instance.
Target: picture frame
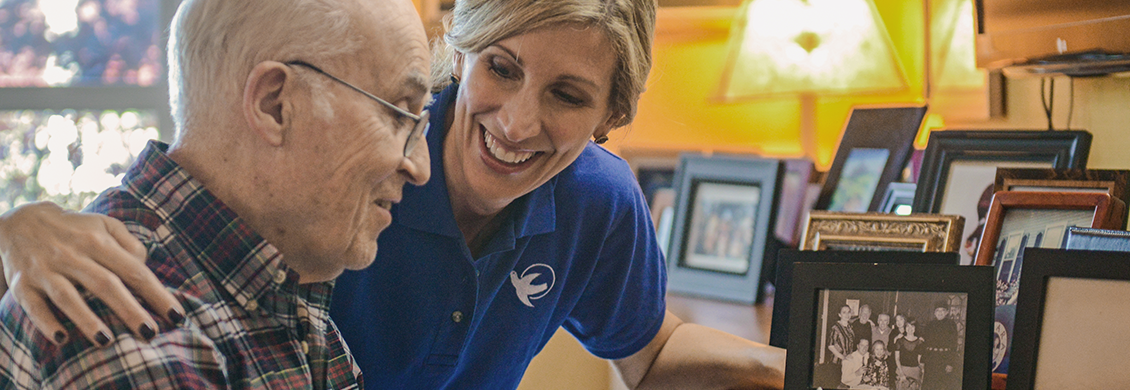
(959, 169)
(874, 149)
(1112, 181)
(821, 287)
(724, 215)
(898, 199)
(876, 231)
(1018, 220)
(788, 258)
(1096, 239)
(1058, 287)
(799, 173)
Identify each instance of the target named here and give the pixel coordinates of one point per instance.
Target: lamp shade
(781, 47)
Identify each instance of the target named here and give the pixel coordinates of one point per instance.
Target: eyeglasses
(419, 130)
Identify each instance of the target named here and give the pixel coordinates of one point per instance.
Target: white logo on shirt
(524, 285)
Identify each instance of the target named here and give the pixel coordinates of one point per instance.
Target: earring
(454, 79)
(601, 140)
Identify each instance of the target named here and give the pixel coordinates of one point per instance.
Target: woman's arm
(47, 251)
(836, 351)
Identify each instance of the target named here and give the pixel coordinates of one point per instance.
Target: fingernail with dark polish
(146, 332)
(60, 337)
(176, 317)
(101, 338)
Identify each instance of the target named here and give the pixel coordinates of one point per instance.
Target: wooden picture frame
(814, 298)
(724, 215)
(1060, 288)
(1114, 182)
(826, 230)
(876, 144)
(1018, 220)
(959, 169)
(788, 258)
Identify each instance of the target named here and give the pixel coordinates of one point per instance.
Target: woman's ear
(266, 100)
(457, 65)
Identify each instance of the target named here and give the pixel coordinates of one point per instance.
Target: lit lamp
(808, 48)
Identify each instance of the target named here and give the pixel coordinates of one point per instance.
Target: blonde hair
(628, 24)
(214, 44)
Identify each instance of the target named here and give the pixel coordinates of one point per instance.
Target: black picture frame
(688, 269)
(812, 278)
(788, 258)
(986, 150)
(1080, 238)
(1043, 267)
(889, 129)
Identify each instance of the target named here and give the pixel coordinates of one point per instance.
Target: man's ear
(266, 100)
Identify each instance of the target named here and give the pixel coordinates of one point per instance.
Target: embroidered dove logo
(524, 285)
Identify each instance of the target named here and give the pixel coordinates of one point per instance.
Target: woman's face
(879, 349)
(900, 321)
(527, 107)
(845, 313)
(910, 329)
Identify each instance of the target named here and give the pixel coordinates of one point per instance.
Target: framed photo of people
(1060, 289)
(959, 169)
(876, 144)
(828, 230)
(788, 258)
(842, 320)
(1019, 220)
(724, 214)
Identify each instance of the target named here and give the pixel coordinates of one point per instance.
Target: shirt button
(252, 305)
(280, 277)
(305, 348)
(457, 316)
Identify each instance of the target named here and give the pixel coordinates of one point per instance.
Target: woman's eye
(569, 99)
(502, 70)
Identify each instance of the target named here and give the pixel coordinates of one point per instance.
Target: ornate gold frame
(882, 232)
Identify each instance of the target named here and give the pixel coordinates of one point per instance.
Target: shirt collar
(428, 207)
(220, 241)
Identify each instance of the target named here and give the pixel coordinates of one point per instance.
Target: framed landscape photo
(788, 258)
(1019, 220)
(959, 169)
(724, 215)
(947, 315)
(876, 144)
(1059, 290)
(828, 230)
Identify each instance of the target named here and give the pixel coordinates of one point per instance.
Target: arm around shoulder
(684, 355)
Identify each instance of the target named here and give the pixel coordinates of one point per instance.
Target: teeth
(498, 152)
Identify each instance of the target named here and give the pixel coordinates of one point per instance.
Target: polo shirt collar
(428, 208)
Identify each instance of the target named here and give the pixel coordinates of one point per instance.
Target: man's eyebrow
(416, 84)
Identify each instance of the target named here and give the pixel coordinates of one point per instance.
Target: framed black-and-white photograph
(959, 170)
(843, 318)
(724, 215)
(899, 199)
(787, 258)
(1071, 321)
(1018, 220)
(1080, 238)
(876, 144)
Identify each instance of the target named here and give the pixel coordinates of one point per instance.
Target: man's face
(349, 160)
(863, 345)
(884, 320)
(940, 313)
(864, 313)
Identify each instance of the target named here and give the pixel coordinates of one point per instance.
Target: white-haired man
(295, 134)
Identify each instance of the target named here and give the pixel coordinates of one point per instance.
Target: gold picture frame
(829, 230)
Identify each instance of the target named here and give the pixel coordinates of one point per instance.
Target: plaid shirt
(249, 323)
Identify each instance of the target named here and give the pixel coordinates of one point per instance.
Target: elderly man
(295, 134)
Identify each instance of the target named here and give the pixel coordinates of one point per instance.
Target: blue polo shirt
(579, 252)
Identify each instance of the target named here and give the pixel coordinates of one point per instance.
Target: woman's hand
(46, 251)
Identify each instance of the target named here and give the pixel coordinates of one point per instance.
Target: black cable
(1048, 101)
(1071, 102)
